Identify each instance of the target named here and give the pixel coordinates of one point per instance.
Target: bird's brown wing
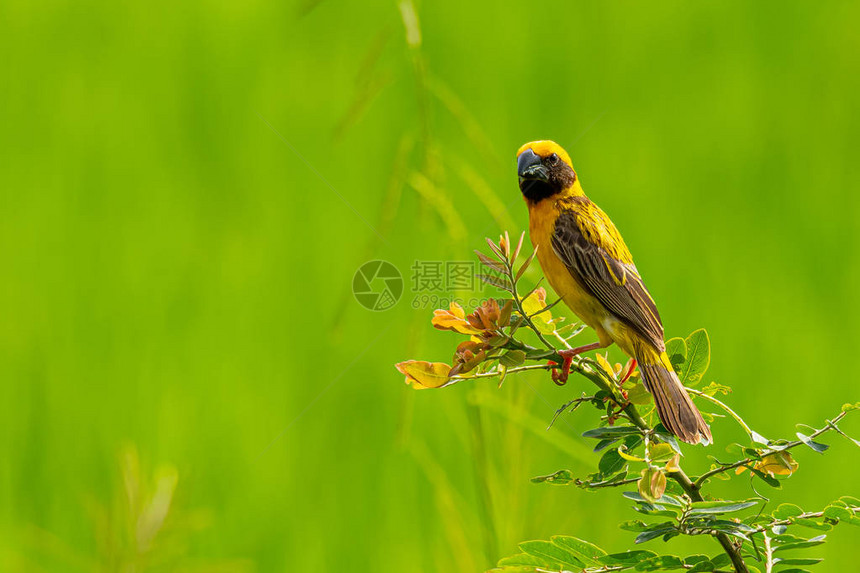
(594, 253)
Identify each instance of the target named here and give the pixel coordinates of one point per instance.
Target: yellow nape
(545, 148)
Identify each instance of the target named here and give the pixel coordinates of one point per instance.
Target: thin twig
(560, 411)
(562, 339)
(768, 553)
(719, 403)
(546, 308)
(792, 520)
(831, 425)
(598, 485)
(494, 373)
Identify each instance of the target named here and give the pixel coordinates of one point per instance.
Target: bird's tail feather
(674, 406)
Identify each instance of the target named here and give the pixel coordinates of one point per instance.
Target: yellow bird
(588, 265)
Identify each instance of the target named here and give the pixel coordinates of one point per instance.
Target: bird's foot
(560, 377)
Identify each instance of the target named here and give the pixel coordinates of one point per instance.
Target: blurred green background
(176, 304)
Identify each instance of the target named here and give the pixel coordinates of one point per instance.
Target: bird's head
(544, 169)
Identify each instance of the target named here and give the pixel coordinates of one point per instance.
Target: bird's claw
(560, 376)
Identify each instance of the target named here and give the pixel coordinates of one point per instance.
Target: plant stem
(519, 304)
(729, 547)
(612, 484)
(719, 403)
(791, 520)
(494, 373)
(746, 461)
(768, 552)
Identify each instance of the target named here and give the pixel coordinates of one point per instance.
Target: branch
(546, 308)
(732, 550)
(791, 520)
(575, 403)
(831, 425)
(494, 373)
(768, 551)
(519, 304)
(719, 403)
(598, 485)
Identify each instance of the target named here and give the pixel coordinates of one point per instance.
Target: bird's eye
(552, 159)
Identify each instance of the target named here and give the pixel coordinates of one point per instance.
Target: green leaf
(801, 544)
(561, 477)
(667, 438)
(661, 563)
(665, 500)
(534, 305)
(512, 358)
(656, 531)
(788, 538)
(603, 444)
(628, 558)
(699, 563)
(768, 479)
(797, 561)
(611, 432)
(812, 524)
(538, 354)
(818, 447)
(713, 388)
(590, 483)
(719, 507)
(752, 453)
(836, 512)
(634, 525)
(548, 550)
(524, 559)
(849, 407)
(726, 524)
(673, 488)
(666, 506)
(639, 395)
(693, 559)
(733, 531)
(610, 463)
(676, 349)
(653, 510)
(585, 551)
(525, 266)
(698, 358)
(787, 511)
(661, 452)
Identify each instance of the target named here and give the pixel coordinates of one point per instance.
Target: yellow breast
(542, 216)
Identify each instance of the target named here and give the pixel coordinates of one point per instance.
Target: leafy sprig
(518, 333)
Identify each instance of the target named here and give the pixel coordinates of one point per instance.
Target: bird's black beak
(530, 168)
